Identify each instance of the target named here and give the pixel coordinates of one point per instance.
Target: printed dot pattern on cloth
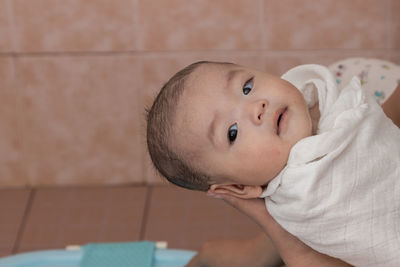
(379, 77)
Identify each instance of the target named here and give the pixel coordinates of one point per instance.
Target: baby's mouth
(278, 119)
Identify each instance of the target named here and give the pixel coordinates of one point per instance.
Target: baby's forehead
(207, 78)
(211, 72)
(199, 98)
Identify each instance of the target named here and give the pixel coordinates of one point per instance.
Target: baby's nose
(257, 111)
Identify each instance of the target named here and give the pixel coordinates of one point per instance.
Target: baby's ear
(237, 190)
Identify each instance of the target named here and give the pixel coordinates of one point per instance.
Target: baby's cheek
(276, 161)
(275, 152)
(281, 155)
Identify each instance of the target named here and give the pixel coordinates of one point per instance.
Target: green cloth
(126, 254)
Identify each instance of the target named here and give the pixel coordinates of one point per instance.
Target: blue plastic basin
(65, 258)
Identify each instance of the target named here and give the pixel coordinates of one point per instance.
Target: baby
(295, 140)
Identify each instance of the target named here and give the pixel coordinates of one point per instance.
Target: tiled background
(75, 76)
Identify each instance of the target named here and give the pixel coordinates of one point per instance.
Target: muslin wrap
(340, 190)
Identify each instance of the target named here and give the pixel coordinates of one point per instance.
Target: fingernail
(214, 196)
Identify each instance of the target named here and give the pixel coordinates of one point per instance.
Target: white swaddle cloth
(340, 190)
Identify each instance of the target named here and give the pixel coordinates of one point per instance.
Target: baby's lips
(276, 117)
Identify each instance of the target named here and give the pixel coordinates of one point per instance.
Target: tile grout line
(174, 53)
(146, 210)
(23, 221)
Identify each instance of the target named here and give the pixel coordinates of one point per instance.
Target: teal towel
(126, 254)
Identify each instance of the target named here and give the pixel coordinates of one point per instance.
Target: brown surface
(52, 218)
(65, 216)
(186, 219)
(13, 204)
(5, 252)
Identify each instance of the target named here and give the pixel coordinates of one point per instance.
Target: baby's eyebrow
(230, 75)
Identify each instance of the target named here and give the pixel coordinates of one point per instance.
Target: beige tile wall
(75, 76)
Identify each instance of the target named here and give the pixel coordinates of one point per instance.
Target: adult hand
(254, 208)
(255, 252)
(292, 251)
(392, 108)
(258, 251)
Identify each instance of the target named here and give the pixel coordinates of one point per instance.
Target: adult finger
(254, 208)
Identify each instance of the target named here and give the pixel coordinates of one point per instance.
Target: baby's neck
(314, 114)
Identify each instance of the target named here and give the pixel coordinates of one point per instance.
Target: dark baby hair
(173, 165)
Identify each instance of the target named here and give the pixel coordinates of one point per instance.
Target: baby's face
(239, 124)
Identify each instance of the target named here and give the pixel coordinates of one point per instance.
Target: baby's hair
(173, 165)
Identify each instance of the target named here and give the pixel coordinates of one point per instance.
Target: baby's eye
(248, 85)
(232, 133)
